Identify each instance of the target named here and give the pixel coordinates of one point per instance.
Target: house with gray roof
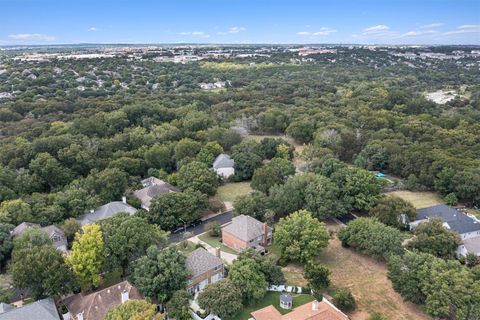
(153, 187)
(107, 211)
(467, 226)
(224, 166)
(42, 309)
(205, 268)
(55, 233)
(247, 232)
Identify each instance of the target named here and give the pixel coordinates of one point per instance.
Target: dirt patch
(367, 279)
(294, 275)
(418, 199)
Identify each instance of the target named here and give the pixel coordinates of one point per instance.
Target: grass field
(215, 242)
(418, 199)
(229, 192)
(272, 298)
(367, 279)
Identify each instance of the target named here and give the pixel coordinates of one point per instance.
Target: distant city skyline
(29, 22)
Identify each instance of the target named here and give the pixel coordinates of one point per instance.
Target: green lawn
(229, 192)
(418, 199)
(215, 242)
(272, 298)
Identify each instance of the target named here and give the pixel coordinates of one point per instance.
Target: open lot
(229, 192)
(418, 199)
(367, 279)
(272, 298)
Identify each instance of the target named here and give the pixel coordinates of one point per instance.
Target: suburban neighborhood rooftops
(245, 228)
(106, 211)
(200, 261)
(223, 161)
(55, 233)
(18, 230)
(456, 220)
(314, 310)
(152, 188)
(42, 309)
(96, 305)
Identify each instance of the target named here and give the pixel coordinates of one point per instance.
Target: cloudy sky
(240, 21)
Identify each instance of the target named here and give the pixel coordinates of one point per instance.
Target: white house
(467, 227)
(224, 166)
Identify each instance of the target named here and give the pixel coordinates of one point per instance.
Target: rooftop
(106, 211)
(42, 309)
(245, 227)
(223, 161)
(456, 220)
(315, 310)
(152, 188)
(200, 261)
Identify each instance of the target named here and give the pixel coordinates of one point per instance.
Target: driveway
(222, 218)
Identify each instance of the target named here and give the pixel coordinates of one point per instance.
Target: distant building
(467, 227)
(42, 310)
(96, 305)
(55, 233)
(323, 310)
(152, 188)
(224, 166)
(107, 211)
(205, 269)
(307, 52)
(247, 232)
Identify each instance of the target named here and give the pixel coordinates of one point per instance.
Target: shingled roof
(223, 161)
(106, 211)
(456, 220)
(42, 309)
(245, 228)
(153, 187)
(200, 261)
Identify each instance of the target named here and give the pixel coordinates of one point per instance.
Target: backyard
(418, 199)
(229, 192)
(215, 242)
(272, 298)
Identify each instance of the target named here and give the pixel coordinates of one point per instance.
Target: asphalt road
(221, 218)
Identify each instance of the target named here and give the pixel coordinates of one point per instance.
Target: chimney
(124, 199)
(125, 296)
(265, 234)
(218, 253)
(315, 305)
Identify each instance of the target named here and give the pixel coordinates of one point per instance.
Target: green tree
(432, 237)
(222, 298)
(267, 264)
(169, 210)
(290, 196)
(50, 170)
(273, 173)
(300, 236)
(209, 152)
(127, 238)
(361, 189)
(373, 157)
(32, 237)
(372, 237)
(245, 165)
(317, 276)
(132, 310)
(186, 148)
(197, 176)
(6, 243)
(344, 300)
(322, 198)
(87, 256)
(178, 306)
(394, 212)
(70, 227)
(246, 274)
(301, 130)
(15, 212)
(254, 204)
(160, 156)
(160, 273)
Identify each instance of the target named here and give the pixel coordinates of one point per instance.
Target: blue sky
(240, 21)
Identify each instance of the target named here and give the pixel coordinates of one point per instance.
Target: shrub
(344, 300)
(213, 228)
(376, 316)
(451, 199)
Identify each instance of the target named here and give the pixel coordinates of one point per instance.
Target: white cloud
(324, 31)
(92, 29)
(199, 34)
(232, 30)
(381, 28)
(31, 37)
(466, 28)
(419, 33)
(431, 25)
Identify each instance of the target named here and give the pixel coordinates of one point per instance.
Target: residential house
(55, 233)
(323, 310)
(107, 211)
(42, 309)
(96, 305)
(205, 268)
(247, 232)
(224, 166)
(467, 226)
(153, 187)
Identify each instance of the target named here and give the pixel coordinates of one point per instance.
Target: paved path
(222, 218)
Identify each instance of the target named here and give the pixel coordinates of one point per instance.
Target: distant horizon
(362, 22)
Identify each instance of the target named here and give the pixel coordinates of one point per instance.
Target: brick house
(205, 269)
(247, 232)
